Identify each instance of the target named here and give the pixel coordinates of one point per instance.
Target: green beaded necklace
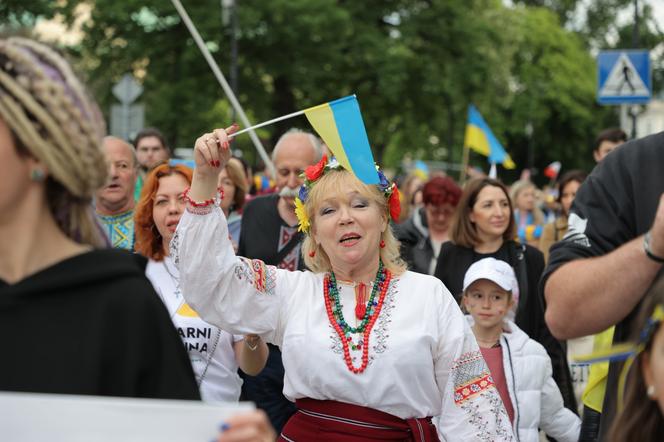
(337, 310)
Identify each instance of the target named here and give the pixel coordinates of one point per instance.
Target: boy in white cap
(520, 367)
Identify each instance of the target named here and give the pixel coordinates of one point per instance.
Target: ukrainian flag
(480, 139)
(339, 123)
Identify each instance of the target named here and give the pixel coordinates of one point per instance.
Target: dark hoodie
(91, 324)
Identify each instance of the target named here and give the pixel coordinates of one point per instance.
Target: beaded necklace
(335, 315)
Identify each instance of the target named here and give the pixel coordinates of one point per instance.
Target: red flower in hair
(395, 204)
(314, 172)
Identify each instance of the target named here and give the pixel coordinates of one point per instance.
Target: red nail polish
(212, 163)
(217, 163)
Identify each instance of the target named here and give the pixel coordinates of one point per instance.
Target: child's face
(487, 303)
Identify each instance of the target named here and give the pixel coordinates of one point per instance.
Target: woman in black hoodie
(75, 316)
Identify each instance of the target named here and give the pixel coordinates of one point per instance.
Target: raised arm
(603, 290)
(211, 153)
(239, 295)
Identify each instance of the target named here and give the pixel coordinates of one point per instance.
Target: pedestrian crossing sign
(623, 77)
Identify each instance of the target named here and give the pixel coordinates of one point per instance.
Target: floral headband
(313, 173)
(627, 350)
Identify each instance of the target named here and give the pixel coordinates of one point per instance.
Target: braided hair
(53, 120)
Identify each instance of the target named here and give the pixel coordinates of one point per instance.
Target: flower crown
(628, 350)
(313, 173)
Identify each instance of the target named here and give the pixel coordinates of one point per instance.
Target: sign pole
(224, 84)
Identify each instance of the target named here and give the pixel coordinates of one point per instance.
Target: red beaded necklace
(344, 331)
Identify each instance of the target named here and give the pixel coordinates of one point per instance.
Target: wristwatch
(648, 250)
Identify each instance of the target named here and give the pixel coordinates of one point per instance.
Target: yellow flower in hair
(301, 213)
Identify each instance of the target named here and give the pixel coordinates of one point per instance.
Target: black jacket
(416, 247)
(91, 324)
(615, 204)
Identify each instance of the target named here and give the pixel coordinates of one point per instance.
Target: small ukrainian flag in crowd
(480, 139)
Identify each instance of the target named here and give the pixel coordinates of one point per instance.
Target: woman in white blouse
(370, 350)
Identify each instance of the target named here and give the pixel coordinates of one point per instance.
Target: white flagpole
(493, 171)
(266, 123)
(224, 84)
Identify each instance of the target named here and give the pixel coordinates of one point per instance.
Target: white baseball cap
(494, 270)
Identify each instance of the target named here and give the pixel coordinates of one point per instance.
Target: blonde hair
(341, 181)
(53, 120)
(235, 172)
(519, 186)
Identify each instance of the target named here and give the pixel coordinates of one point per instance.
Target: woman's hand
(211, 153)
(248, 427)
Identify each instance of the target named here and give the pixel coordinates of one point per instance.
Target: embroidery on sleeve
(475, 393)
(255, 272)
(174, 248)
(470, 375)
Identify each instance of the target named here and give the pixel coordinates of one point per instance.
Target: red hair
(440, 190)
(148, 240)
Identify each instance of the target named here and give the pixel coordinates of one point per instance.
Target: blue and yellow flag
(480, 139)
(339, 123)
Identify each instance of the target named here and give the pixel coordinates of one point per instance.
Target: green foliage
(415, 66)
(18, 13)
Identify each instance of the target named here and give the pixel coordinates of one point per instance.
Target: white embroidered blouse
(423, 357)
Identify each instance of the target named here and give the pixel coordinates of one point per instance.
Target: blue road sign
(624, 77)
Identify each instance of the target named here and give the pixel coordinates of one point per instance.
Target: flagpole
(266, 123)
(493, 171)
(224, 85)
(464, 164)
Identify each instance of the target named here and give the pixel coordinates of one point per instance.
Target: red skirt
(340, 422)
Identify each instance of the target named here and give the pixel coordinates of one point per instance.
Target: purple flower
(384, 183)
(303, 193)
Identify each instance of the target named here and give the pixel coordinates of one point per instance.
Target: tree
(415, 65)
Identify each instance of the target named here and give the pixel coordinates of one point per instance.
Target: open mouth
(349, 238)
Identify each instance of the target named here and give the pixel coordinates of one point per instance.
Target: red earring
(312, 253)
(382, 243)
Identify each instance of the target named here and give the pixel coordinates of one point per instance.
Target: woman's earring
(382, 244)
(37, 175)
(312, 253)
(651, 391)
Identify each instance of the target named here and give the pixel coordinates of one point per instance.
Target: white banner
(31, 417)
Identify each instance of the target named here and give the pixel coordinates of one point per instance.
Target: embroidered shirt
(119, 229)
(423, 357)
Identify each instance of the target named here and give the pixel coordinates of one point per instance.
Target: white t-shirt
(210, 348)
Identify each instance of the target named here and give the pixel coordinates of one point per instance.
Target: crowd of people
(420, 310)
